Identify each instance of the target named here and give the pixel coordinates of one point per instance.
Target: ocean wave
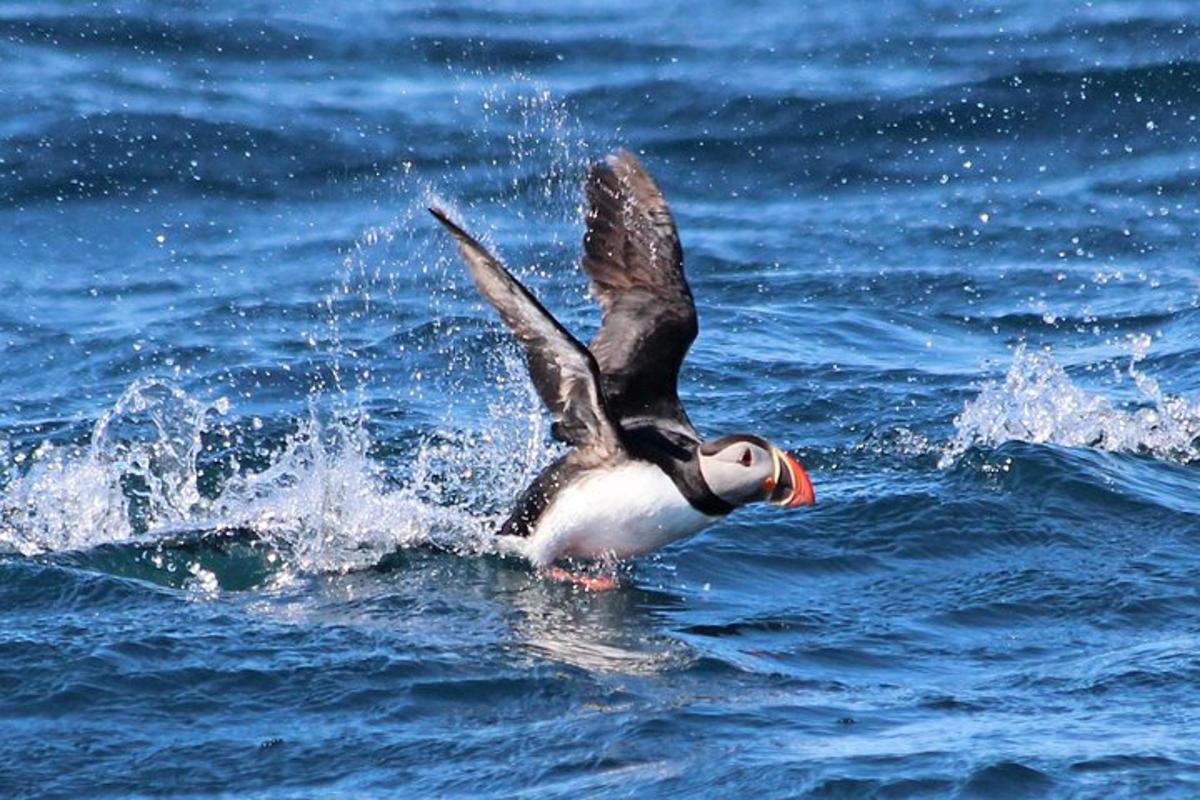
(133, 153)
(151, 36)
(824, 141)
(478, 38)
(160, 461)
(856, 138)
(1038, 402)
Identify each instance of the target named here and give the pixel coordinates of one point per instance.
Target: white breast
(613, 512)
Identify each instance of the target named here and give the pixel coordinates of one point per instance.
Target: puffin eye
(746, 458)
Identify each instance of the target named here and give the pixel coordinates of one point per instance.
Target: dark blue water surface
(946, 251)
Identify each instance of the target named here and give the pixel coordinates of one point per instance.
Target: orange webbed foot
(590, 583)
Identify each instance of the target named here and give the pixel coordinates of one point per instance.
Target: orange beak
(789, 486)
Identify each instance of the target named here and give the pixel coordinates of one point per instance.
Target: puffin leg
(590, 583)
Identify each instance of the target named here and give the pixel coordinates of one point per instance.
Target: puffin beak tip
(793, 487)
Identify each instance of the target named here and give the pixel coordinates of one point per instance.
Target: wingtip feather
(444, 218)
(464, 239)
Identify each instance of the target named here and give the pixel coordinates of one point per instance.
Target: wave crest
(160, 461)
(1038, 402)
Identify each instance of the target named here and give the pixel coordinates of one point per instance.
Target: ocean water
(256, 427)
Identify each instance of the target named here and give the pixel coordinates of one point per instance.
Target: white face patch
(738, 471)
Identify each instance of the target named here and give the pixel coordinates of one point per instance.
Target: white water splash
(1038, 402)
(137, 471)
(322, 498)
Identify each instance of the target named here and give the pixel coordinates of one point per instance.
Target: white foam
(1039, 402)
(322, 498)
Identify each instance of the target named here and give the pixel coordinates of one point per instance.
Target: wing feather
(563, 371)
(634, 260)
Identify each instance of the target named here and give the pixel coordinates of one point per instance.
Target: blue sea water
(946, 251)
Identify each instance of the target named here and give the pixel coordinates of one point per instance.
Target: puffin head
(742, 468)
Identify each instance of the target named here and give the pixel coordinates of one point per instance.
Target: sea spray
(1038, 402)
(137, 471)
(318, 495)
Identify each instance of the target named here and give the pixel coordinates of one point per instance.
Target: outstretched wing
(563, 371)
(635, 262)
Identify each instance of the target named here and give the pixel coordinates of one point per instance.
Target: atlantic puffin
(638, 475)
